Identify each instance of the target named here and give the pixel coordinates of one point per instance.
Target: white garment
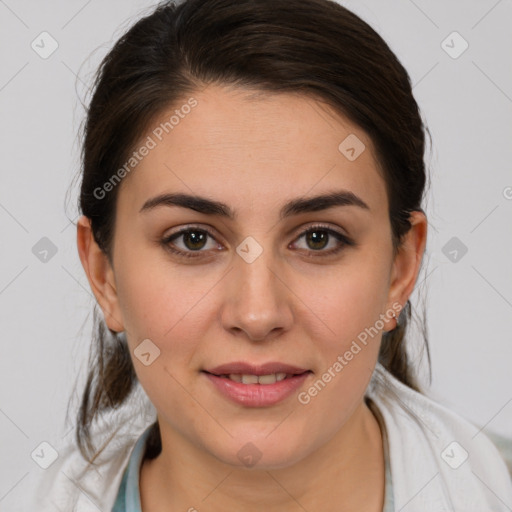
(427, 442)
(422, 457)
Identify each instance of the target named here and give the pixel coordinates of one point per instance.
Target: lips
(257, 385)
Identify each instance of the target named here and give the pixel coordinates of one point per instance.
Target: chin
(260, 453)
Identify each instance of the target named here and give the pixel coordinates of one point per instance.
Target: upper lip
(240, 367)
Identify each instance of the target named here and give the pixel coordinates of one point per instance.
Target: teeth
(255, 379)
(267, 379)
(250, 379)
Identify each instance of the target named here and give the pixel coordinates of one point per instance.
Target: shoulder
(73, 484)
(432, 448)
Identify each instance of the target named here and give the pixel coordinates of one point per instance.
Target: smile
(257, 390)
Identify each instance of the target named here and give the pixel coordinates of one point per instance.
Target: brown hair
(315, 47)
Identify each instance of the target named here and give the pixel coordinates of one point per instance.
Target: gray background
(45, 306)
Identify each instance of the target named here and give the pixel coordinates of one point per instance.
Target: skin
(291, 304)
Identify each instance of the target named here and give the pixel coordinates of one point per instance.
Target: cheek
(157, 296)
(170, 309)
(351, 308)
(351, 304)
(352, 298)
(174, 309)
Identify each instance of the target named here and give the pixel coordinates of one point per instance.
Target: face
(269, 276)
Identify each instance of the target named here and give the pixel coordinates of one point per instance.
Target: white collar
(439, 461)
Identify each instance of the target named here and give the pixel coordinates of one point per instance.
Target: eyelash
(344, 241)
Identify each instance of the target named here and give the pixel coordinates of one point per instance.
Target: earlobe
(99, 274)
(407, 263)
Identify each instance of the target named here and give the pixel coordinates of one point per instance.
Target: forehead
(240, 145)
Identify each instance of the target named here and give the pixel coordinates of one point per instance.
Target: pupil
(194, 239)
(318, 238)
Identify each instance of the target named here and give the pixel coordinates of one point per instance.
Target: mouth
(257, 386)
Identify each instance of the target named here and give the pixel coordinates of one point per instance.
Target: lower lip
(257, 395)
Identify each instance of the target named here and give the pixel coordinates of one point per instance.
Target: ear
(100, 274)
(407, 261)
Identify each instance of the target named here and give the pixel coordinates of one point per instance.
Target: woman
(252, 230)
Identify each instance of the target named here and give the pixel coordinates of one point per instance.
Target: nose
(257, 303)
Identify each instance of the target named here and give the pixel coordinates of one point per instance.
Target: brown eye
(194, 240)
(190, 240)
(322, 240)
(317, 239)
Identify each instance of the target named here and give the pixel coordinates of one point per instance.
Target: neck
(335, 476)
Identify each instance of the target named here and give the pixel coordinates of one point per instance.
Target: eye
(323, 240)
(190, 240)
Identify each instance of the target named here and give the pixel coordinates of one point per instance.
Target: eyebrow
(293, 207)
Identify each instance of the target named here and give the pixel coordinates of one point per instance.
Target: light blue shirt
(128, 496)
